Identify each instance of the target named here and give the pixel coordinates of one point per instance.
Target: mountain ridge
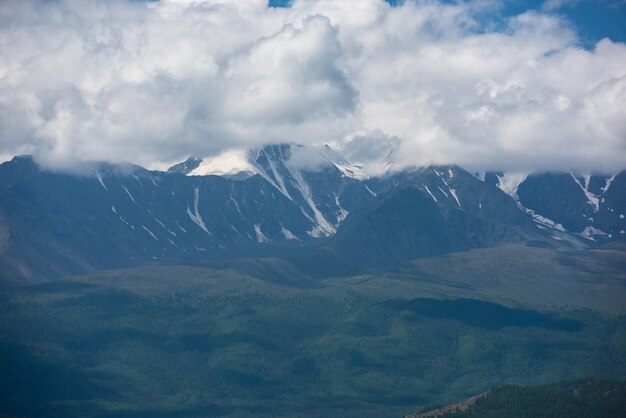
(311, 203)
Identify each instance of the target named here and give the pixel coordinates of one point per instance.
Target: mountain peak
(264, 160)
(186, 166)
(235, 162)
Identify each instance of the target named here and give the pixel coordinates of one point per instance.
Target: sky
(489, 85)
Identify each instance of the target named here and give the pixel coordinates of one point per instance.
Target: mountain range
(308, 205)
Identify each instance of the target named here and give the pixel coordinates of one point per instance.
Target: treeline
(587, 398)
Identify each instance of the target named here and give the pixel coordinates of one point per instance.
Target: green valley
(257, 338)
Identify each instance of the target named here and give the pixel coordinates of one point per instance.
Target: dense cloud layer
(421, 83)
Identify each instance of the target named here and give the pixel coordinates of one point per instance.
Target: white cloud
(429, 82)
(374, 151)
(289, 77)
(552, 5)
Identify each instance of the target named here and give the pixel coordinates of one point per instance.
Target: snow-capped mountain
(591, 206)
(243, 163)
(279, 199)
(296, 172)
(62, 224)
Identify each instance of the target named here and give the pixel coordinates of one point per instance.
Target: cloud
(289, 77)
(552, 5)
(155, 82)
(374, 151)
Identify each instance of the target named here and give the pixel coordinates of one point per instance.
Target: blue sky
(593, 19)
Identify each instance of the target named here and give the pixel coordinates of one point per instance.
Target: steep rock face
(185, 167)
(588, 205)
(324, 194)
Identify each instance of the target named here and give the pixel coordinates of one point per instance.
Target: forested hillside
(583, 398)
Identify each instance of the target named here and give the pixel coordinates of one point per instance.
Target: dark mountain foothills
(326, 220)
(581, 398)
(239, 340)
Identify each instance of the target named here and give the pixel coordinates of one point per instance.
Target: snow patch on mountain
(590, 233)
(543, 221)
(149, 232)
(592, 199)
(99, 177)
(352, 171)
(342, 164)
(343, 214)
(430, 193)
(282, 166)
(130, 195)
(370, 190)
(138, 180)
(609, 180)
(288, 234)
(244, 162)
(232, 199)
(198, 248)
(453, 193)
(260, 237)
(323, 225)
(509, 182)
(280, 182)
(480, 175)
(195, 215)
(164, 227)
(228, 163)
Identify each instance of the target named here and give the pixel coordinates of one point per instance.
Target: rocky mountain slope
(308, 203)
